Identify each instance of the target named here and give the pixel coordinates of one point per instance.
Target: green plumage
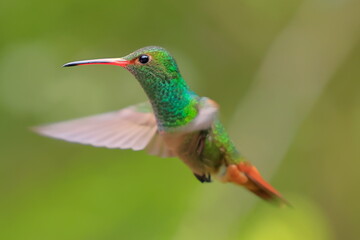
(175, 106)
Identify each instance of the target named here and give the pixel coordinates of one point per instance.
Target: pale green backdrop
(287, 76)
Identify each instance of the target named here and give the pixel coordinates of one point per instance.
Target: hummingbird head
(158, 74)
(146, 64)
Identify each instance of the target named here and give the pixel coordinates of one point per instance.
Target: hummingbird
(174, 122)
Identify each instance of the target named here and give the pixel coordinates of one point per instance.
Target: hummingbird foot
(203, 178)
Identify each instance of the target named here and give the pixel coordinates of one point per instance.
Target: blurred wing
(130, 128)
(208, 112)
(158, 148)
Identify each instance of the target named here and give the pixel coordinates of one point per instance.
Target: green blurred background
(286, 74)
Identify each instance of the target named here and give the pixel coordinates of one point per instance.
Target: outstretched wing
(133, 127)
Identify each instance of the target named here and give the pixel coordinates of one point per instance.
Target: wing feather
(133, 127)
(130, 128)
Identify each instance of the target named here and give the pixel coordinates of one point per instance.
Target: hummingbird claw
(203, 178)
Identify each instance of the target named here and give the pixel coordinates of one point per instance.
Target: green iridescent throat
(174, 104)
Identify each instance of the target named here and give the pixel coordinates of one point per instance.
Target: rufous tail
(248, 176)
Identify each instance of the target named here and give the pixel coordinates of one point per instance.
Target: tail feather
(256, 184)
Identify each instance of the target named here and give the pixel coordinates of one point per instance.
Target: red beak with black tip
(108, 61)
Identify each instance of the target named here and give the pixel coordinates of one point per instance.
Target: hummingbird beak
(108, 61)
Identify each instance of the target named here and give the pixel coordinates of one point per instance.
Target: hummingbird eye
(144, 59)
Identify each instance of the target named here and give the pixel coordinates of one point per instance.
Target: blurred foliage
(55, 190)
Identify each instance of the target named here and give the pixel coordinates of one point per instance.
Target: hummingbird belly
(186, 147)
(203, 151)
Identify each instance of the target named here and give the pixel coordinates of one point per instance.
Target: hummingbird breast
(203, 151)
(187, 146)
